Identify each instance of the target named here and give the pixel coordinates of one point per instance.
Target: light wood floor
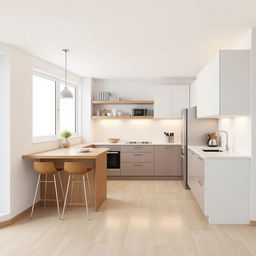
(145, 218)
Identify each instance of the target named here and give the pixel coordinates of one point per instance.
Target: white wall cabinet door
(163, 102)
(169, 100)
(223, 85)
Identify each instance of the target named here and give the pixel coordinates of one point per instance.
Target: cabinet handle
(138, 147)
(200, 183)
(137, 154)
(137, 165)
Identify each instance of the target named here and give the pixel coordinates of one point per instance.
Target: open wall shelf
(95, 102)
(122, 117)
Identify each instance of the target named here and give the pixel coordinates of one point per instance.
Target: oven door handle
(112, 153)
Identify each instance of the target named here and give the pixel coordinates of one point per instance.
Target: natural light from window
(52, 114)
(44, 107)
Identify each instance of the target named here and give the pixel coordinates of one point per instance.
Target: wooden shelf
(122, 117)
(95, 102)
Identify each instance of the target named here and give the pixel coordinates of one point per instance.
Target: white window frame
(59, 81)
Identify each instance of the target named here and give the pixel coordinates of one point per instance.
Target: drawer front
(137, 157)
(197, 189)
(138, 148)
(137, 169)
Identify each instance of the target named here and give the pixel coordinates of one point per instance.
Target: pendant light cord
(66, 51)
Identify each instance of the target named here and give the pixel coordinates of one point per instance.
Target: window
(44, 107)
(52, 115)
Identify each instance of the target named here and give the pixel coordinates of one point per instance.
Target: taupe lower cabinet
(167, 161)
(137, 160)
(149, 160)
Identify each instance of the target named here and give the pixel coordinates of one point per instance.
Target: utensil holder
(168, 139)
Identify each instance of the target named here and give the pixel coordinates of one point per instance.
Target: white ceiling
(132, 38)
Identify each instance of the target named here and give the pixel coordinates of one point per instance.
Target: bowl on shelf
(113, 140)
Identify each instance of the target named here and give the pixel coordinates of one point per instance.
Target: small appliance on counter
(169, 136)
(212, 140)
(139, 112)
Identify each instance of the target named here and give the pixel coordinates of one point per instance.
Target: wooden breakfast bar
(95, 159)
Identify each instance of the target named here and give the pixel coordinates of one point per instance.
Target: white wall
(5, 135)
(239, 132)
(135, 89)
(193, 95)
(23, 180)
(86, 94)
(253, 116)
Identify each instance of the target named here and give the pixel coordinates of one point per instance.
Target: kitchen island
(96, 159)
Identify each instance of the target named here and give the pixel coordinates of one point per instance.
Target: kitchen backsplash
(239, 131)
(136, 130)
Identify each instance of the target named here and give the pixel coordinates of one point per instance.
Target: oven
(113, 161)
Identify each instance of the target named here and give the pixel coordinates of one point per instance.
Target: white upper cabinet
(169, 100)
(223, 85)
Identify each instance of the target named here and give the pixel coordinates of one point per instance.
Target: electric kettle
(212, 140)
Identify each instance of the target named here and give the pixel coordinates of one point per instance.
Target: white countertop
(224, 154)
(141, 144)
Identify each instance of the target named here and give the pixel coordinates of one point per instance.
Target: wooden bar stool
(73, 169)
(46, 168)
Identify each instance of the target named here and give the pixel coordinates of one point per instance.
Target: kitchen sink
(212, 150)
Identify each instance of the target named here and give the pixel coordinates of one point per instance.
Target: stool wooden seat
(46, 168)
(73, 169)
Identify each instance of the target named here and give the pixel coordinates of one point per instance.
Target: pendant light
(66, 93)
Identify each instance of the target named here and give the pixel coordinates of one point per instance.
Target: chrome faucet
(226, 147)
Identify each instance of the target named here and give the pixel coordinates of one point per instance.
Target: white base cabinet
(221, 186)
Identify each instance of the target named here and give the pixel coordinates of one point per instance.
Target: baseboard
(18, 217)
(253, 222)
(144, 178)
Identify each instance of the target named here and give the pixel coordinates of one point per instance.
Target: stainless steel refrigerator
(194, 133)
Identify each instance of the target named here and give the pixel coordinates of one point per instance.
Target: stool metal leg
(65, 201)
(89, 189)
(61, 186)
(33, 206)
(45, 189)
(57, 198)
(85, 196)
(71, 193)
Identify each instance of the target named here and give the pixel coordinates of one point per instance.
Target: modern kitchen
(135, 150)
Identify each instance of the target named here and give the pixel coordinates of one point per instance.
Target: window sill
(53, 139)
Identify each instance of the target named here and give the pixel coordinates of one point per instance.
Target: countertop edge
(139, 144)
(221, 155)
